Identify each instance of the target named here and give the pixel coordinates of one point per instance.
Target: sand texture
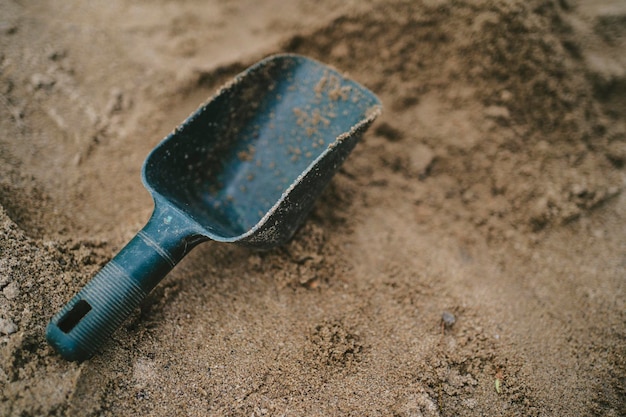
(468, 259)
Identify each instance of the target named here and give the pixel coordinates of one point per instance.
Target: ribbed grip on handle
(89, 318)
(94, 313)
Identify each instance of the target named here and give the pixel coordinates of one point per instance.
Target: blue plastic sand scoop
(246, 168)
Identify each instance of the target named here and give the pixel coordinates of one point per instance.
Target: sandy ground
(492, 190)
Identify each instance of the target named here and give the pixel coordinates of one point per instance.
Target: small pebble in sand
(11, 291)
(448, 319)
(7, 327)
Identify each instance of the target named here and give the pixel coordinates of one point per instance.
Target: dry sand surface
(491, 191)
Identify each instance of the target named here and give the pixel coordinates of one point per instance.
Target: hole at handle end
(74, 316)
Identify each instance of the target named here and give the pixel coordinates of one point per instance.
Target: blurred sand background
(492, 188)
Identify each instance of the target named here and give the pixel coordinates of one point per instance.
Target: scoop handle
(93, 314)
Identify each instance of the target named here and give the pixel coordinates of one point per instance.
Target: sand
(489, 194)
